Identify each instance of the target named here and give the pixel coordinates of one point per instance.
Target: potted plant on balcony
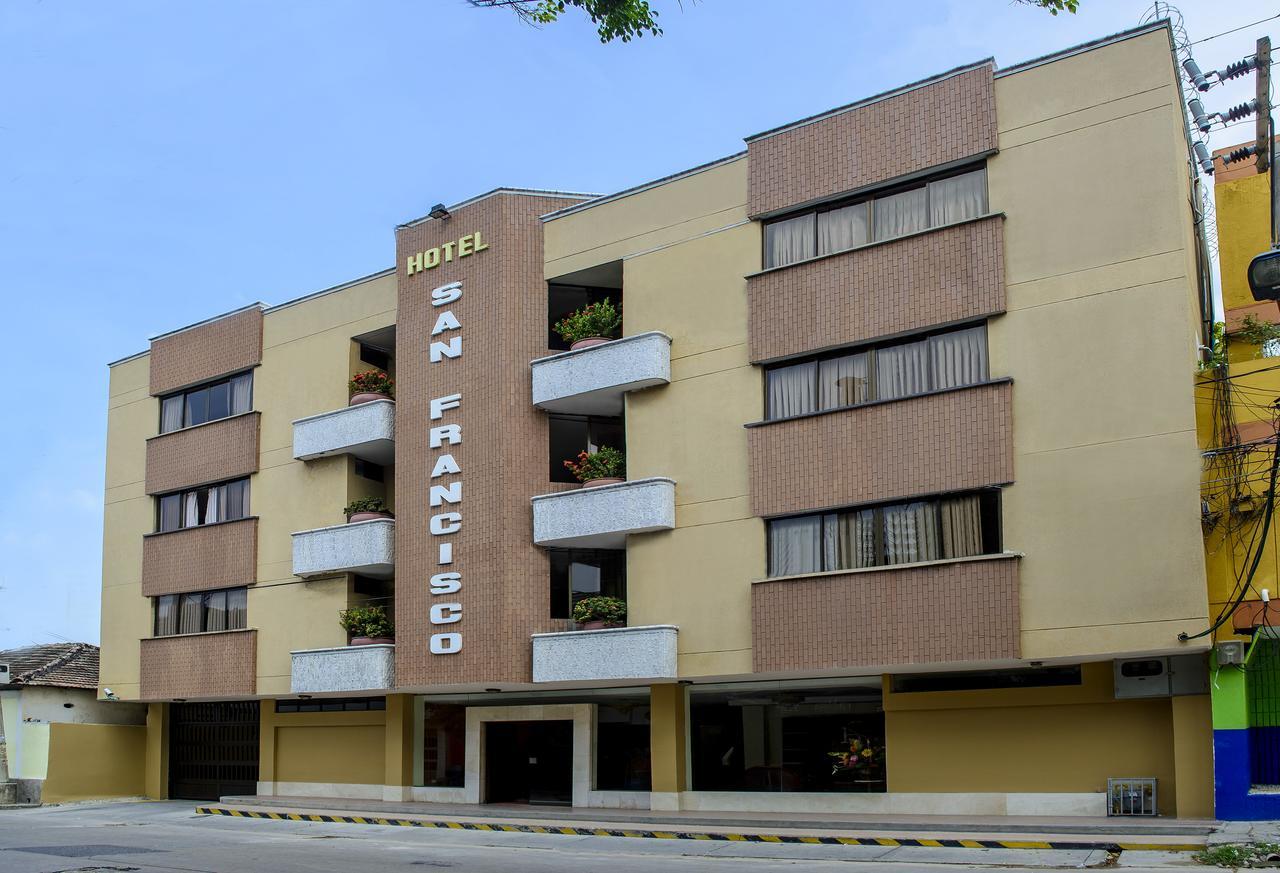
(371, 385)
(368, 625)
(591, 325)
(366, 509)
(593, 613)
(605, 466)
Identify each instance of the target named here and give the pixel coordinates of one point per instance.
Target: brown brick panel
(931, 125)
(195, 666)
(934, 278)
(923, 445)
(213, 452)
(938, 613)
(222, 346)
(200, 558)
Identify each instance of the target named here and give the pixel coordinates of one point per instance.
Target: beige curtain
(215, 611)
(237, 608)
(961, 526)
(171, 512)
(786, 242)
(899, 214)
(166, 615)
(843, 381)
(842, 229)
(242, 393)
(190, 509)
(171, 414)
(958, 198)
(959, 357)
(910, 533)
(191, 614)
(902, 370)
(790, 390)
(795, 545)
(849, 541)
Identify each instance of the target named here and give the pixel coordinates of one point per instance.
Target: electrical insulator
(1236, 70)
(1240, 154)
(1197, 78)
(1235, 113)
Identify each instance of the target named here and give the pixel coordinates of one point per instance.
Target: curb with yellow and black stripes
(568, 830)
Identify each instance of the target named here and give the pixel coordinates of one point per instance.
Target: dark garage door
(213, 749)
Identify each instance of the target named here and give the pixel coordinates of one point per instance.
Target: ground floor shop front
(960, 744)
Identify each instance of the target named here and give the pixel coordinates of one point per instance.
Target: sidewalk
(989, 832)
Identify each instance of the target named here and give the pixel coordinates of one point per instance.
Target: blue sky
(163, 162)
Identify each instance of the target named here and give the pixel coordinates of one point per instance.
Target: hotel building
(911, 511)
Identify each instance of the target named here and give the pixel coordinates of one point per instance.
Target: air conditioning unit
(1161, 676)
(1229, 653)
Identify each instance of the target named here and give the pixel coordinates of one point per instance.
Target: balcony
(211, 452)
(208, 556)
(196, 666)
(647, 652)
(591, 381)
(364, 547)
(346, 668)
(601, 517)
(366, 431)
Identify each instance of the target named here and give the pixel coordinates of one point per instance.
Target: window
(622, 747)
(564, 299)
(201, 612)
(958, 526)
(846, 225)
(444, 738)
(570, 435)
(1036, 677)
(204, 505)
(333, 704)
(369, 470)
(208, 402)
(375, 357)
(579, 573)
(935, 362)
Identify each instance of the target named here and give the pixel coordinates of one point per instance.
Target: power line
(1235, 29)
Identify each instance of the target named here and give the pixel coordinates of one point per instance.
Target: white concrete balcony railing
(364, 547)
(366, 430)
(601, 517)
(346, 668)
(591, 381)
(646, 652)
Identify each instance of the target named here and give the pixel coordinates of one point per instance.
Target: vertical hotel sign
(444, 488)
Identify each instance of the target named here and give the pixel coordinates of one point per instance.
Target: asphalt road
(170, 837)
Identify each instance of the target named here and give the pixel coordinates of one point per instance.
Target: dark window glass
(369, 470)
(622, 747)
(170, 512)
(570, 435)
(565, 299)
(200, 612)
(209, 402)
(340, 704)
(166, 615)
(219, 401)
(376, 357)
(1038, 677)
(579, 573)
(805, 740)
(444, 739)
(197, 407)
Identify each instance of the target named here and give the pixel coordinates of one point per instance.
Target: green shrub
(610, 610)
(366, 621)
(605, 463)
(594, 319)
(365, 504)
(372, 382)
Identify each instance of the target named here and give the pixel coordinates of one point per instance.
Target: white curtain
(166, 615)
(241, 393)
(902, 370)
(786, 242)
(849, 541)
(191, 614)
(237, 608)
(213, 506)
(958, 198)
(190, 509)
(171, 414)
(795, 546)
(842, 229)
(215, 605)
(171, 512)
(842, 381)
(959, 357)
(910, 533)
(961, 526)
(899, 214)
(790, 390)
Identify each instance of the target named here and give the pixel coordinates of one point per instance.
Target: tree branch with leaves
(614, 19)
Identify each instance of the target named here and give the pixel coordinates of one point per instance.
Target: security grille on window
(204, 505)
(208, 402)
(934, 362)
(957, 526)
(201, 612)
(847, 225)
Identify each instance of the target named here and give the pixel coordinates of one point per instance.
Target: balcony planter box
(588, 341)
(372, 641)
(367, 516)
(366, 397)
(606, 480)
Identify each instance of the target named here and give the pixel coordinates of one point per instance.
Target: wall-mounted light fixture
(439, 211)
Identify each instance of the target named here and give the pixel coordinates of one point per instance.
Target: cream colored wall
(686, 247)
(95, 760)
(306, 363)
(1100, 340)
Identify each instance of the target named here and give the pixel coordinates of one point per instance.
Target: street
(169, 836)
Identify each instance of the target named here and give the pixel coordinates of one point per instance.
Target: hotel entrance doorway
(529, 762)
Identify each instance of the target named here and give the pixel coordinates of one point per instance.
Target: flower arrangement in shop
(371, 385)
(605, 466)
(858, 756)
(600, 611)
(591, 325)
(366, 508)
(367, 625)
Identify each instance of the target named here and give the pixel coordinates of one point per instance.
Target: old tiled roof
(64, 665)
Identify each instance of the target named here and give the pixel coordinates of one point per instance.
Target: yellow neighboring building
(907, 521)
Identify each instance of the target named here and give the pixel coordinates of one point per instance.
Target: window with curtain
(201, 612)
(934, 362)
(204, 505)
(958, 526)
(827, 230)
(208, 402)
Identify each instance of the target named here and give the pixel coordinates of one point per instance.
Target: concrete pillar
(267, 747)
(398, 753)
(668, 744)
(1193, 756)
(157, 754)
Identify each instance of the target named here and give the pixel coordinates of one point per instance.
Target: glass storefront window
(802, 740)
(444, 744)
(622, 747)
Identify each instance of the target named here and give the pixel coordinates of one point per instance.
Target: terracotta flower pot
(371, 641)
(598, 624)
(365, 397)
(367, 516)
(588, 341)
(606, 480)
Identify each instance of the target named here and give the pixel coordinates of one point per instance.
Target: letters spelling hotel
(904, 392)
